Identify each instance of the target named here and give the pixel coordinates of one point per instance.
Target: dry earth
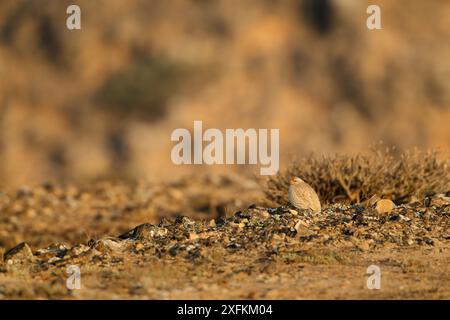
(135, 241)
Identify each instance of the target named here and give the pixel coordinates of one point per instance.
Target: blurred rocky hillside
(102, 101)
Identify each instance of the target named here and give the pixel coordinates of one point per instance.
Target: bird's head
(296, 180)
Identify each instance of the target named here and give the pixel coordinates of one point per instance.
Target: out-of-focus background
(101, 102)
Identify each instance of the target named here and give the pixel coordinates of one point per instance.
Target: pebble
(302, 230)
(139, 246)
(384, 206)
(54, 250)
(364, 245)
(78, 249)
(264, 214)
(108, 245)
(193, 236)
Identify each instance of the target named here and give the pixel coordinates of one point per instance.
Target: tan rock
(193, 236)
(440, 200)
(53, 250)
(108, 245)
(279, 236)
(384, 206)
(414, 199)
(263, 214)
(302, 229)
(212, 223)
(206, 235)
(364, 245)
(77, 250)
(139, 246)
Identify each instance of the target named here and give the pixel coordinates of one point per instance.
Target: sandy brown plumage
(303, 196)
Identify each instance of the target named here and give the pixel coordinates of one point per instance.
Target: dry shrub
(353, 179)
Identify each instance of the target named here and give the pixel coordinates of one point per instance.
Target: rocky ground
(188, 240)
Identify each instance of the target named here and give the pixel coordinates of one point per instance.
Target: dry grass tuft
(355, 179)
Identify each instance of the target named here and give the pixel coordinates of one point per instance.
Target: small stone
(302, 230)
(193, 236)
(30, 213)
(237, 226)
(139, 246)
(427, 201)
(108, 245)
(173, 250)
(414, 199)
(53, 250)
(77, 250)
(85, 196)
(279, 237)
(212, 223)
(144, 231)
(264, 214)
(364, 245)
(54, 259)
(101, 246)
(440, 200)
(384, 206)
(190, 247)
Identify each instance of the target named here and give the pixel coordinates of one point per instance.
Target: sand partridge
(302, 196)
